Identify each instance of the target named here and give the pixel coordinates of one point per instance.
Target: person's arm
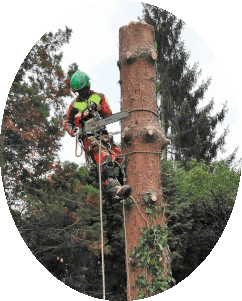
(69, 125)
(105, 107)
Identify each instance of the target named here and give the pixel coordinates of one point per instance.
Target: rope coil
(76, 148)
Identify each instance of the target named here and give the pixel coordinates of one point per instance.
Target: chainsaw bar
(93, 124)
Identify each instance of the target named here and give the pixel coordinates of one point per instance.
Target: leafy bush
(200, 200)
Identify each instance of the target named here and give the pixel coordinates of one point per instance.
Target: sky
(97, 23)
(96, 51)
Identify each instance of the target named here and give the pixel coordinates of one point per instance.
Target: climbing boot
(117, 191)
(113, 187)
(122, 192)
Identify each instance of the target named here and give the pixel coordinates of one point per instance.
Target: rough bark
(142, 137)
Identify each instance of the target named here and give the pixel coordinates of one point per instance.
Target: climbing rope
(76, 148)
(126, 249)
(101, 212)
(101, 216)
(126, 254)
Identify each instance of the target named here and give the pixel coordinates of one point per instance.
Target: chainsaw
(96, 123)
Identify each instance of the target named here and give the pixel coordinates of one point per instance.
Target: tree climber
(110, 153)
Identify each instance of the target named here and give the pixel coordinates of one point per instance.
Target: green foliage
(155, 46)
(83, 172)
(144, 53)
(128, 203)
(34, 113)
(148, 257)
(150, 207)
(89, 189)
(62, 220)
(148, 210)
(200, 200)
(56, 206)
(52, 230)
(146, 198)
(178, 93)
(151, 253)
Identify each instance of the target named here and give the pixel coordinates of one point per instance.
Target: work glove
(77, 120)
(99, 108)
(96, 107)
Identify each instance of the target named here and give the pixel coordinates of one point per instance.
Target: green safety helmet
(80, 80)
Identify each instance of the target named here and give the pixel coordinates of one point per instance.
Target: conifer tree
(61, 227)
(191, 130)
(201, 199)
(33, 116)
(55, 206)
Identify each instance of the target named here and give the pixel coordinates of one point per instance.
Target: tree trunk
(142, 136)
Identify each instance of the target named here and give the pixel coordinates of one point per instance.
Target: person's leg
(111, 184)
